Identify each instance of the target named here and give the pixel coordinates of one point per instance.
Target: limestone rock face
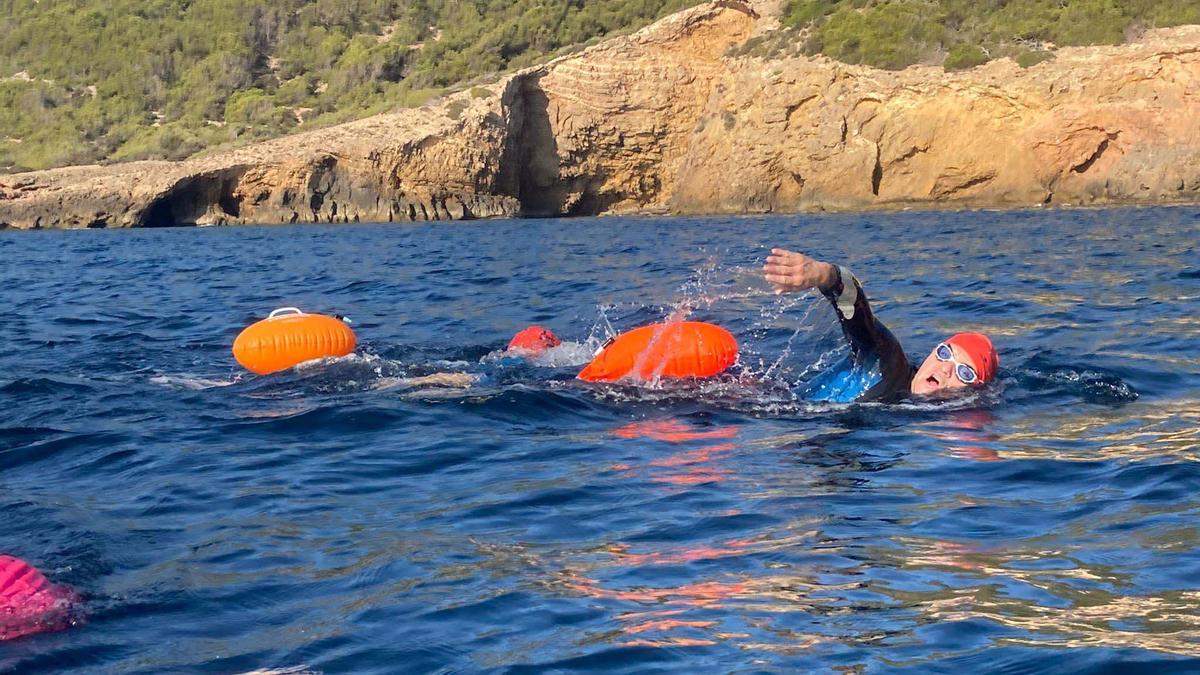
(437, 163)
(674, 119)
(668, 120)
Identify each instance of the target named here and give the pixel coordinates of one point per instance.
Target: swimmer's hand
(790, 272)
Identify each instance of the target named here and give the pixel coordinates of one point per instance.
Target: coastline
(885, 209)
(649, 124)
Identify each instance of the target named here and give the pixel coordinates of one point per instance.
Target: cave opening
(229, 203)
(530, 164)
(159, 214)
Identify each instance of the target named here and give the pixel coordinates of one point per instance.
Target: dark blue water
(338, 519)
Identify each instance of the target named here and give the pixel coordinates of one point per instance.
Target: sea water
(336, 518)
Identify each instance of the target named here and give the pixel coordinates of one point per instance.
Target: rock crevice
(677, 119)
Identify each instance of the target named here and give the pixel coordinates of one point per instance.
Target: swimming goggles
(964, 372)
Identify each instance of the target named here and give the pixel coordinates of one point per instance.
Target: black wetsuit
(877, 369)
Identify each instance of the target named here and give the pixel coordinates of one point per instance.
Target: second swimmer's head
(534, 339)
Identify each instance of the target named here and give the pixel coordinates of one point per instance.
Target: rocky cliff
(679, 118)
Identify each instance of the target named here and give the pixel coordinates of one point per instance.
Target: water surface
(336, 519)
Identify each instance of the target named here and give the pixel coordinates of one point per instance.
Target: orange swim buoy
(288, 337)
(673, 350)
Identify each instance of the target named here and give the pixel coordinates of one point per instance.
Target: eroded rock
(673, 119)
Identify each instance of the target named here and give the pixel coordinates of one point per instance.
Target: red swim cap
(534, 339)
(981, 351)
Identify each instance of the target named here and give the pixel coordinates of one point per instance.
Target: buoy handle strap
(282, 310)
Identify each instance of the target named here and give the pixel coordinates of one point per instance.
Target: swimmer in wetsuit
(878, 369)
(527, 343)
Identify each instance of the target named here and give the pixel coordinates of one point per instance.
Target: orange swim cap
(981, 351)
(534, 339)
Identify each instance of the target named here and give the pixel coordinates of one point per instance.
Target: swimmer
(527, 344)
(541, 347)
(443, 380)
(878, 369)
(532, 340)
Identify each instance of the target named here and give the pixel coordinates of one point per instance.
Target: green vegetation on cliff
(108, 80)
(89, 80)
(965, 33)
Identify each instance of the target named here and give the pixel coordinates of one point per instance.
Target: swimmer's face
(936, 376)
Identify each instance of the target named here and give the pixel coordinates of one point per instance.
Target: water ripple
(344, 517)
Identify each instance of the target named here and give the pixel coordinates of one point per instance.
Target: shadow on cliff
(533, 166)
(202, 199)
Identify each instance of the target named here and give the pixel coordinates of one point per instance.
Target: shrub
(1029, 58)
(295, 91)
(800, 13)
(890, 35)
(247, 106)
(254, 61)
(1167, 14)
(963, 56)
(456, 109)
(1090, 22)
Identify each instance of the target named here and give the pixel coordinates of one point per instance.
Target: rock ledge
(672, 120)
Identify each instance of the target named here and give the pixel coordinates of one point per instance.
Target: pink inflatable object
(30, 604)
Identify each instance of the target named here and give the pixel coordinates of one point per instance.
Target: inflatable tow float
(288, 337)
(29, 603)
(675, 350)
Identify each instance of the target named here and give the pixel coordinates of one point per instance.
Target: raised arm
(869, 339)
(789, 271)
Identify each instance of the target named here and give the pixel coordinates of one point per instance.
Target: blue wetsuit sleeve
(870, 341)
